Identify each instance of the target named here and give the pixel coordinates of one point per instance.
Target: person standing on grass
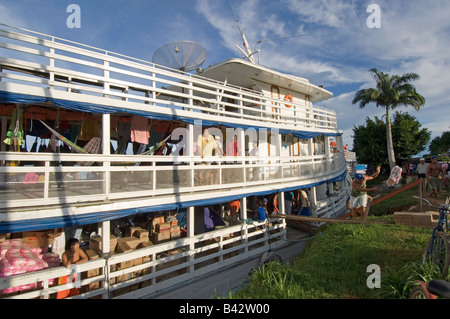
(422, 169)
(434, 172)
(358, 195)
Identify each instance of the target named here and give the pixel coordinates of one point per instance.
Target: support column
(106, 134)
(243, 169)
(328, 164)
(188, 151)
(281, 205)
(244, 231)
(313, 201)
(190, 235)
(106, 140)
(105, 233)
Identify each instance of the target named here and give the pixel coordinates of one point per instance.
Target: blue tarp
(7, 97)
(85, 219)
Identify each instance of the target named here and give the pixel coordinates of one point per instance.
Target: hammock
(65, 140)
(93, 146)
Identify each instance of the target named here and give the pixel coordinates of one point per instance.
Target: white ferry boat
(108, 149)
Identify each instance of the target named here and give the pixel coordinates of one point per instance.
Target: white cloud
(337, 52)
(340, 48)
(9, 18)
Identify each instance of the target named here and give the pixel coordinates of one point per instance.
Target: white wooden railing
(147, 271)
(59, 68)
(115, 177)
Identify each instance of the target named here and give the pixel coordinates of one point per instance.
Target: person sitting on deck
(73, 255)
(358, 195)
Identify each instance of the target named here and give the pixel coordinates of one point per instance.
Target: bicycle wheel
(440, 252)
(421, 292)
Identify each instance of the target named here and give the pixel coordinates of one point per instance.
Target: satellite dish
(183, 55)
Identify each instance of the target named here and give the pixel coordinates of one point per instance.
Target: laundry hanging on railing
(15, 134)
(139, 129)
(394, 177)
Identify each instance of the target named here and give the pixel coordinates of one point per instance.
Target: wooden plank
(328, 220)
(416, 219)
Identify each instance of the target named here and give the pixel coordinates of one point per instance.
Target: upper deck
(57, 75)
(42, 68)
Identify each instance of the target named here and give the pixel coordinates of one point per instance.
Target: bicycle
(437, 250)
(431, 289)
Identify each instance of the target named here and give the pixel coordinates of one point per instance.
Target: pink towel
(139, 129)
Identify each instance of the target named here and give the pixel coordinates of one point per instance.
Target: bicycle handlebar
(439, 207)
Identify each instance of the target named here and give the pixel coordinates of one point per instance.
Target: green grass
(334, 264)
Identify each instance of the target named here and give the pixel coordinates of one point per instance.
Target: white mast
(248, 51)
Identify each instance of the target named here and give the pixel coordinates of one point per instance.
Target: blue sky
(337, 52)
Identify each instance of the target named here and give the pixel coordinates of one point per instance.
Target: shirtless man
(434, 172)
(73, 254)
(358, 195)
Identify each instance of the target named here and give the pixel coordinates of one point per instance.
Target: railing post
(244, 231)
(46, 179)
(190, 235)
(105, 231)
(106, 137)
(106, 87)
(52, 66)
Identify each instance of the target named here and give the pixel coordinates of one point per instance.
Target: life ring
(288, 98)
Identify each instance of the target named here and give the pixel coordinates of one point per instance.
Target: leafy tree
(369, 140)
(390, 92)
(409, 139)
(440, 144)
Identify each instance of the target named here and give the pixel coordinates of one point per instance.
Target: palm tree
(390, 92)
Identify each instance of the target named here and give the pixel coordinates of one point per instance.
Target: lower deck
(146, 265)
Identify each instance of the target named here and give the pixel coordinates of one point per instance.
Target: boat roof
(244, 73)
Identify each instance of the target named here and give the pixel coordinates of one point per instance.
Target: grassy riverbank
(334, 264)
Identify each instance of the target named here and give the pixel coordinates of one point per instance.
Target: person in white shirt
(422, 168)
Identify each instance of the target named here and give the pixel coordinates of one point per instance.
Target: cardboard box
(144, 244)
(140, 233)
(159, 237)
(123, 265)
(96, 243)
(175, 232)
(132, 241)
(92, 254)
(92, 272)
(157, 220)
(36, 238)
(123, 247)
(162, 227)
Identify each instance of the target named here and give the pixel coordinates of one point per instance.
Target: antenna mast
(248, 51)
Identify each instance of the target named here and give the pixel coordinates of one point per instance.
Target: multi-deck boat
(105, 148)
